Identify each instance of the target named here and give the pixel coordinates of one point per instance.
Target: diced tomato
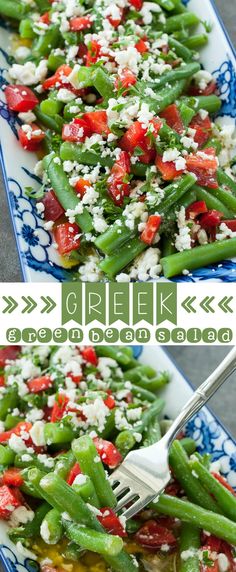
(152, 534)
(203, 129)
(204, 166)
(223, 482)
(89, 355)
(212, 567)
(109, 454)
(74, 472)
(82, 52)
(97, 122)
(39, 384)
(151, 228)
(111, 522)
(136, 137)
(93, 53)
(2, 380)
(141, 46)
(76, 130)
(173, 118)
(47, 413)
(167, 169)
(231, 224)
(115, 22)
(66, 237)
(118, 185)
(45, 18)
(32, 138)
(59, 407)
(195, 209)
(110, 402)
(209, 89)
(137, 4)
(19, 429)
(229, 553)
(12, 477)
(212, 543)
(58, 79)
(52, 208)
(125, 79)
(20, 98)
(211, 219)
(9, 500)
(8, 353)
(81, 186)
(80, 23)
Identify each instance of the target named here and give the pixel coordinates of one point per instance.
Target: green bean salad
(69, 415)
(137, 177)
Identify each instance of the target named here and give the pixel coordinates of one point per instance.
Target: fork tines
(128, 488)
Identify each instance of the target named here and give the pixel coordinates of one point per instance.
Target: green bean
(187, 113)
(64, 192)
(138, 391)
(212, 202)
(64, 464)
(215, 143)
(100, 542)
(87, 491)
(51, 105)
(53, 123)
(42, 5)
(136, 373)
(152, 434)
(114, 237)
(114, 352)
(167, 246)
(26, 29)
(226, 197)
(33, 461)
(149, 415)
(189, 543)
(180, 49)
(57, 434)
(51, 527)
(110, 428)
(113, 264)
(8, 401)
(55, 61)
(202, 256)
(31, 528)
(225, 180)
(195, 42)
(13, 9)
(6, 456)
(194, 490)
(45, 43)
(168, 134)
(210, 103)
(186, 511)
(188, 444)
(165, 96)
(91, 465)
(173, 23)
(125, 441)
(182, 72)
(102, 83)
(11, 421)
(224, 498)
(166, 4)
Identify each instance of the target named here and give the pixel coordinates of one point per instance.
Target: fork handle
(202, 394)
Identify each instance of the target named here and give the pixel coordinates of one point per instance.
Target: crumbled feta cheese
(37, 434)
(28, 73)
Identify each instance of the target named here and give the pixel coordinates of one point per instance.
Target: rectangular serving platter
(39, 260)
(208, 432)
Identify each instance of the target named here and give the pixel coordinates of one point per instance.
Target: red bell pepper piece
(151, 228)
(110, 402)
(228, 550)
(204, 166)
(89, 355)
(167, 169)
(19, 429)
(136, 136)
(111, 522)
(109, 454)
(9, 500)
(118, 185)
(80, 23)
(196, 90)
(153, 535)
(12, 477)
(173, 118)
(74, 472)
(97, 122)
(231, 224)
(2, 380)
(203, 129)
(173, 489)
(32, 138)
(125, 79)
(224, 482)
(195, 209)
(59, 407)
(81, 186)
(137, 4)
(58, 79)
(8, 353)
(211, 219)
(141, 46)
(76, 131)
(52, 208)
(20, 98)
(115, 22)
(66, 237)
(39, 384)
(45, 18)
(93, 53)
(75, 378)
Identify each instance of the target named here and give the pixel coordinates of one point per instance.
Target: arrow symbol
(187, 304)
(206, 304)
(30, 304)
(11, 304)
(49, 304)
(224, 304)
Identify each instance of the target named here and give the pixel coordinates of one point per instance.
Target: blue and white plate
(208, 432)
(39, 260)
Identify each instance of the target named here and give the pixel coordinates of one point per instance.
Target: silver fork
(144, 473)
